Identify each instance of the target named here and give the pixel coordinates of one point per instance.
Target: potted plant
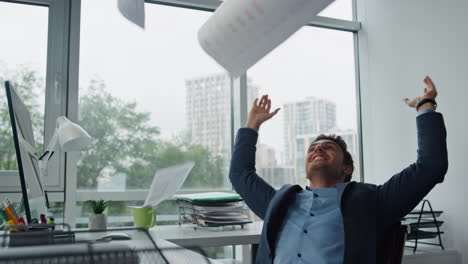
(98, 220)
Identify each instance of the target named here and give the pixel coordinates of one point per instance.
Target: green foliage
(125, 139)
(126, 142)
(29, 85)
(99, 206)
(208, 170)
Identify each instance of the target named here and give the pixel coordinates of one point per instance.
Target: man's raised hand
(260, 112)
(430, 92)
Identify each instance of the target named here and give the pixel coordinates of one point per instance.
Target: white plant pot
(97, 221)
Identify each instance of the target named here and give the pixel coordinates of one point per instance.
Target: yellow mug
(144, 217)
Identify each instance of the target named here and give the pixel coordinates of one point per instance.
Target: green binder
(209, 196)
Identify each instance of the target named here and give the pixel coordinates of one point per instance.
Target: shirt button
(311, 214)
(299, 254)
(305, 231)
(315, 195)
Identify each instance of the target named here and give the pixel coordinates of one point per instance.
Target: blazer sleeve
(256, 193)
(402, 193)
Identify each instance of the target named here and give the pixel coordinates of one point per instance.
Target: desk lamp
(70, 136)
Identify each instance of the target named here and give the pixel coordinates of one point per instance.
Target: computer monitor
(34, 197)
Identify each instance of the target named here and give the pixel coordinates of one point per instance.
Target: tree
(126, 142)
(29, 85)
(208, 170)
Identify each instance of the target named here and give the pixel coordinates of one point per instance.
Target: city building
(309, 116)
(277, 176)
(208, 111)
(265, 156)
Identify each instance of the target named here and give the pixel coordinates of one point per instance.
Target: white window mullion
(56, 83)
(70, 170)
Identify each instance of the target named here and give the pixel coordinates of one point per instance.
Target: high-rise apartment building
(309, 116)
(208, 111)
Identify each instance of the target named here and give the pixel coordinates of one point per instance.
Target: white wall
(402, 41)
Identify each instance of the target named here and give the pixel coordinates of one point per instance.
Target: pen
(10, 214)
(22, 222)
(3, 214)
(9, 204)
(52, 222)
(43, 219)
(11, 223)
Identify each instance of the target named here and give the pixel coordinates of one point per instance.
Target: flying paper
(166, 182)
(241, 32)
(133, 10)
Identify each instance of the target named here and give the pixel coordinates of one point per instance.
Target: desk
(140, 245)
(172, 252)
(186, 236)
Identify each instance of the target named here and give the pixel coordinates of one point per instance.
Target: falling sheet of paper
(133, 10)
(241, 32)
(166, 182)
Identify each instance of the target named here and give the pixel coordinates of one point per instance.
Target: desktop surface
(138, 249)
(186, 236)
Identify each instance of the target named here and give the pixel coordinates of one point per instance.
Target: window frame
(62, 78)
(238, 102)
(56, 87)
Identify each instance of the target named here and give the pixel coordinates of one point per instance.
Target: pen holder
(36, 237)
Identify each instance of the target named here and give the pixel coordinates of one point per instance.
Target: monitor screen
(34, 199)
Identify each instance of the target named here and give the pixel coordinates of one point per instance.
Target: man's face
(326, 156)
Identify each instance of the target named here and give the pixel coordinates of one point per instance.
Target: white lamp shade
(71, 136)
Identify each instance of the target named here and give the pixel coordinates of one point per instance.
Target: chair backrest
(394, 244)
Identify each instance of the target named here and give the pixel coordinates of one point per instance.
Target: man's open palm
(260, 112)
(430, 92)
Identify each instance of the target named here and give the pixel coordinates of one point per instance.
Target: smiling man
(334, 220)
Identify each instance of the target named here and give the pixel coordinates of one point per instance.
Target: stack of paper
(213, 209)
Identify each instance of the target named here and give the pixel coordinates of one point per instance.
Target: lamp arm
(50, 148)
(44, 159)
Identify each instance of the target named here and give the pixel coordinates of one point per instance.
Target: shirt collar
(339, 188)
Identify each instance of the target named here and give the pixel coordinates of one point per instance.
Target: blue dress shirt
(313, 231)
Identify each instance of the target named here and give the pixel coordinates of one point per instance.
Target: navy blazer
(368, 210)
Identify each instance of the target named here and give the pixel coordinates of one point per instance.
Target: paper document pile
(213, 209)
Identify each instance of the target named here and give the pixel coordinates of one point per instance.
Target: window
(314, 85)
(34, 56)
(150, 99)
(23, 57)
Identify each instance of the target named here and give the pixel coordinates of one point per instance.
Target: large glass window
(314, 85)
(23, 58)
(151, 99)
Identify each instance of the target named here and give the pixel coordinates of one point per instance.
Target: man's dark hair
(347, 158)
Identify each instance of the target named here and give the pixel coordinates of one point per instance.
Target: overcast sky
(151, 65)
